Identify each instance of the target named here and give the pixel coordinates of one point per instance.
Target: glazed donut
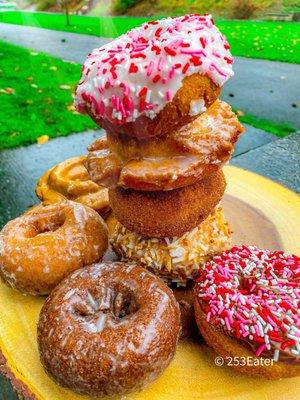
(175, 260)
(167, 213)
(43, 246)
(155, 78)
(165, 163)
(247, 305)
(70, 180)
(108, 329)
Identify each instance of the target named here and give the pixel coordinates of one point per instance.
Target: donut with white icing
(155, 78)
(108, 329)
(247, 306)
(40, 248)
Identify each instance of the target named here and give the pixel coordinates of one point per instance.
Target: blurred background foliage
(236, 9)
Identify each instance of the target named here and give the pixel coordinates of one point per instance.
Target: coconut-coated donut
(167, 213)
(108, 329)
(173, 259)
(247, 305)
(169, 162)
(43, 246)
(155, 78)
(70, 180)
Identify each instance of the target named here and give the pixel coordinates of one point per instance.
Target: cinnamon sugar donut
(108, 329)
(247, 305)
(40, 248)
(180, 159)
(167, 213)
(155, 78)
(70, 180)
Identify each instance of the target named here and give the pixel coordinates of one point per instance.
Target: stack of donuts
(155, 90)
(110, 328)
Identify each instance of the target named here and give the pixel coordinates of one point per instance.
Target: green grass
(256, 39)
(36, 99)
(32, 102)
(280, 130)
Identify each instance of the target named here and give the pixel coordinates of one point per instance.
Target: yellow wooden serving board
(260, 212)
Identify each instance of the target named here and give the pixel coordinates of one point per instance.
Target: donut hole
(125, 304)
(49, 223)
(116, 301)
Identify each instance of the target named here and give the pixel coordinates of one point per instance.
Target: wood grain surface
(260, 212)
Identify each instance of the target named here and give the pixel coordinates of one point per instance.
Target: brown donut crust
(185, 298)
(226, 346)
(43, 246)
(174, 115)
(167, 213)
(124, 353)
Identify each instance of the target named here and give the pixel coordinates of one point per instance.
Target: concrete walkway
(266, 89)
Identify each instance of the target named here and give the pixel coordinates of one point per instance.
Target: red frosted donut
(108, 329)
(156, 77)
(247, 304)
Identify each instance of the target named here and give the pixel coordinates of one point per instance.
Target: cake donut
(182, 158)
(247, 305)
(70, 180)
(108, 329)
(167, 213)
(43, 246)
(174, 259)
(155, 78)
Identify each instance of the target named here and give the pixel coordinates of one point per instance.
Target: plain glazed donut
(70, 180)
(167, 213)
(164, 163)
(108, 329)
(155, 78)
(43, 246)
(247, 305)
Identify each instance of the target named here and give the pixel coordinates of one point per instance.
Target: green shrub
(121, 6)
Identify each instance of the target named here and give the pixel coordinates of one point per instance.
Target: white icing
(197, 107)
(111, 89)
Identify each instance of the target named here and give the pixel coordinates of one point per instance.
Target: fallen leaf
(240, 113)
(53, 68)
(65, 87)
(34, 85)
(7, 91)
(34, 53)
(42, 139)
(29, 78)
(71, 107)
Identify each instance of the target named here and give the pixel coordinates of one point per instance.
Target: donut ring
(155, 78)
(247, 303)
(43, 246)
(175, 260)
(70, 180)
(167, 213)
(167, 163)
(174, 115)
(108, 329)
